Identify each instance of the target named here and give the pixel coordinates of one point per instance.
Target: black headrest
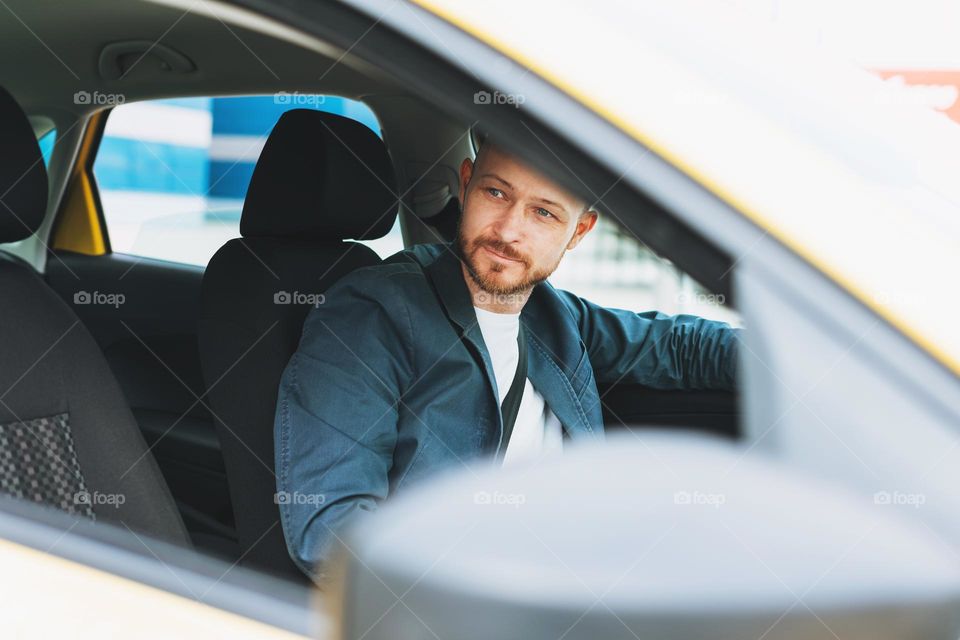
(321, 176)
(23, 176)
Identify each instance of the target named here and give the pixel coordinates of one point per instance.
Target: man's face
(516, 224)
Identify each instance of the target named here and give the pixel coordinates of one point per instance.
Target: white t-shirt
(537, 430)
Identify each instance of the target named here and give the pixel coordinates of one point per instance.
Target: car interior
(169, 398)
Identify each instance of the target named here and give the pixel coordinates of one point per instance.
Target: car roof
(814, 150)
(234, 51)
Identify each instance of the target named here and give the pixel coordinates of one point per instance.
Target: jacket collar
(446, 276)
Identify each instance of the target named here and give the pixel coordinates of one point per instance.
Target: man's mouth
(500, 255)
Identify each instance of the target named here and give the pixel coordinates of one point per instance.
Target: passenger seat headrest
(23, 176)
(321, 176)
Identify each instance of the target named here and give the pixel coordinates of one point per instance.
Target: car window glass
(172, 174)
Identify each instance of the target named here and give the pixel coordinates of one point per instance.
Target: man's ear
(585, 223)
(466, 172)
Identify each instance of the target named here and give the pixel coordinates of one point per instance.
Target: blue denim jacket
(392, 382)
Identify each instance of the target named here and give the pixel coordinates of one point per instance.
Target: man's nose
(509, 224)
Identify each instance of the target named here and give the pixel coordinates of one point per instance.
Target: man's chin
(498, 283)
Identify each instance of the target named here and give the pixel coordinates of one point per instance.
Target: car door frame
(694, 212)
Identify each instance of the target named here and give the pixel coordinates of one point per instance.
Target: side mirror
(665, 537)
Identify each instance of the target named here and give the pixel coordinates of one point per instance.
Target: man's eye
(544, 213)
(496, 193)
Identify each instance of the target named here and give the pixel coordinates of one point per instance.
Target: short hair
(477, 136)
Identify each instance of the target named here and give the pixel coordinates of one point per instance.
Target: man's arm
(336, 419)
(654, 349)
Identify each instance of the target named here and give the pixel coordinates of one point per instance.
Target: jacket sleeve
(336, 420)
(654, 349)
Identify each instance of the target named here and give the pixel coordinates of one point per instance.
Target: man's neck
(494, 302)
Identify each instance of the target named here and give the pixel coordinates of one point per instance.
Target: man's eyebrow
(496, 177)
(550, 202)
(540, 199)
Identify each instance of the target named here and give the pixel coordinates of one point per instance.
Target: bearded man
(446, 353)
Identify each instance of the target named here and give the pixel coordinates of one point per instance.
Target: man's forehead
(496, 161)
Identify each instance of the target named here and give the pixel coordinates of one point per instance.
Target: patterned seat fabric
(38, 462)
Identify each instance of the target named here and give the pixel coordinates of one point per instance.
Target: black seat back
(321, 178)
(67, 436)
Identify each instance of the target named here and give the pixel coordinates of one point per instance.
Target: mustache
(500, 247)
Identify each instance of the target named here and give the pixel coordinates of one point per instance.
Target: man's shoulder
(398, 274)
(422, 254)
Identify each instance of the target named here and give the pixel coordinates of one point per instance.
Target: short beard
(487, 284)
